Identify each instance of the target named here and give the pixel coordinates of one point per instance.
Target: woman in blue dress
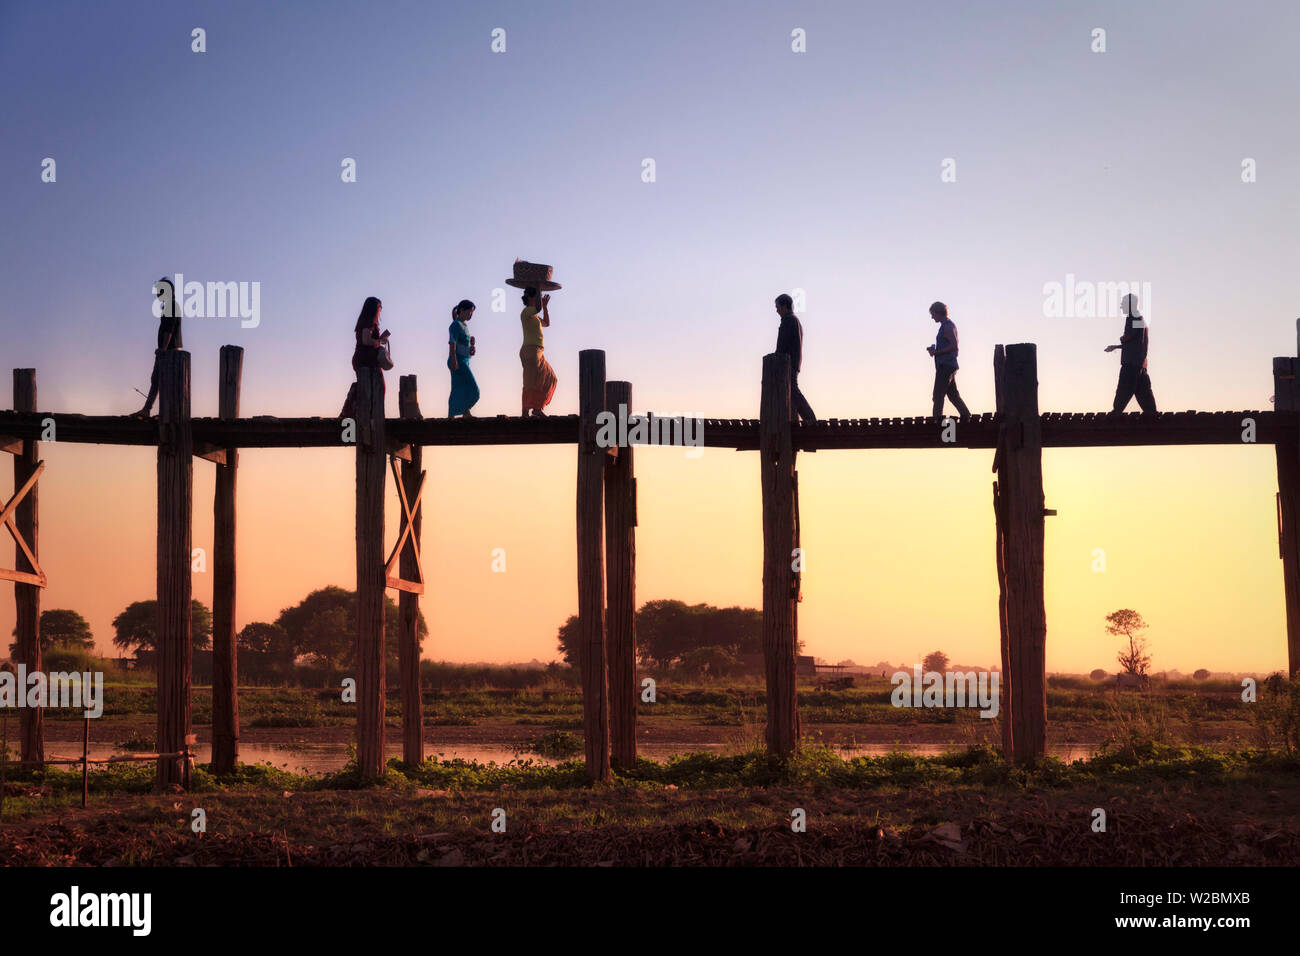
(460, 346)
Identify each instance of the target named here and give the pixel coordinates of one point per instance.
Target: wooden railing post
(408, 603)
(27, 597)
(225, 660)
(591, 565)
(175, 541)
(1020, 492)
(620, 588)
(371, 579)
(1286, 398)
(776, 456)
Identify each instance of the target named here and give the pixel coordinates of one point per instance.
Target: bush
(1201, 674)
(63, 658)
(1098, 674)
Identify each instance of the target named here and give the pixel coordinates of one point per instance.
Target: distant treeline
(693, 639)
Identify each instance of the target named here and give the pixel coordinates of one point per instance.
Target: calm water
(325, 757)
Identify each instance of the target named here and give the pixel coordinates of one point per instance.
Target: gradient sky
(775, 171)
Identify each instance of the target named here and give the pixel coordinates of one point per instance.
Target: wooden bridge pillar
(620, 588)
(27, 596)
(175, 543)
(408, 602)
(780, 584)
(1006, 705)
(1019, 500)
(225, 660)
(1286, 398)
(371, 577)
(591, 565)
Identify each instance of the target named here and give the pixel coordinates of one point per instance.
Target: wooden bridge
(605, 524)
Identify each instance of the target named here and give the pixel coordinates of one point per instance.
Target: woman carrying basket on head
(539, 377)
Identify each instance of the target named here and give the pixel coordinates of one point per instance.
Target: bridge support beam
(780, 538)
(175, 544)
(225, 661)
(27, 596)
(591, 565)
(408, 602)
(371, 578)
(1286, 398)
(620, 588)
(1020, 513)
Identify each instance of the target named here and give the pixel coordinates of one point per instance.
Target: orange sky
(898, 544)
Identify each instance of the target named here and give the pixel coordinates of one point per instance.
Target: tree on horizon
(136, 628)
(1128, 624)
(63, 627)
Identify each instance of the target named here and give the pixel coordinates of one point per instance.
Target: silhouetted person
(369, 351)
(169, 336)
(944, 351)
(789, 341)
(1133, 378)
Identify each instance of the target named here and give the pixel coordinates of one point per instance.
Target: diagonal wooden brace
(408, 516)
(36, 576)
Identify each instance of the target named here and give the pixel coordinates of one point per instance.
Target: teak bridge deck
(605, 524)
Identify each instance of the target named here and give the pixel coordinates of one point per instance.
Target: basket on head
(532, 275)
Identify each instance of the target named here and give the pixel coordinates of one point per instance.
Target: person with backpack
(1133, 378)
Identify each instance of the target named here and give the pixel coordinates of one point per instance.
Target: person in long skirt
(539, 377)
(460, 346)
(367, 351)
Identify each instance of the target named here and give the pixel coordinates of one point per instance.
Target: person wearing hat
(944, 351)
(1133, 378)
(539, 377)
(460, 346)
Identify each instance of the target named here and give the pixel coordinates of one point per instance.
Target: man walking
(789, 341)
(944, 351)
(169, 335)
(1133, 378)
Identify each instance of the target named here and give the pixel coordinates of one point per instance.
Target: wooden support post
(27, 596)
(776, 456)
(620, 588)
(85, 761)
(369, 656)
(1286, 398)
(408, 603)
(225, 662)
(591, 565)
(175, 510)
(1006, 705)
(1020, 493)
